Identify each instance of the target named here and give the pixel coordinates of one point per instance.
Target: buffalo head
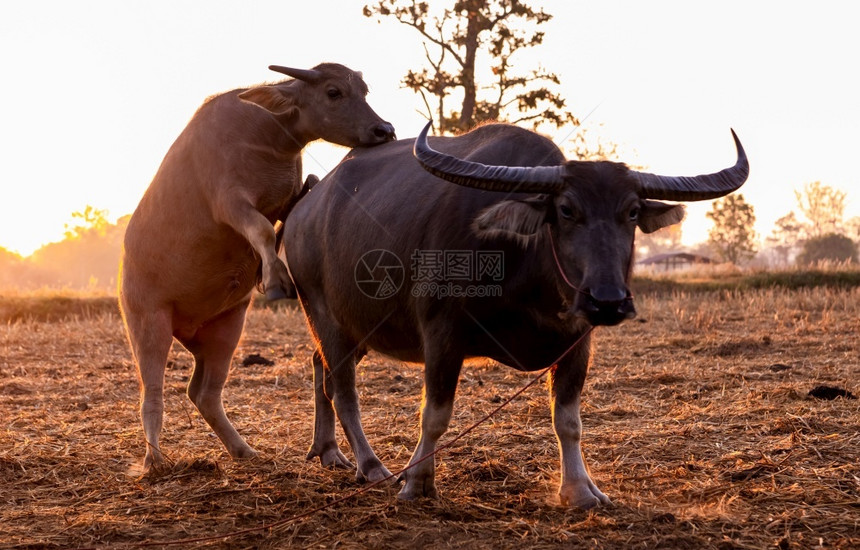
(326, 102)
(586, 213)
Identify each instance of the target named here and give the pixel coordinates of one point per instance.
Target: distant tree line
(86, 259)
(819, 233)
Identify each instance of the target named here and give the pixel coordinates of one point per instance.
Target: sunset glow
(626, 318)
(101, 90)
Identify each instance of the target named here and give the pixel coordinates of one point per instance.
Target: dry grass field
(697, 423)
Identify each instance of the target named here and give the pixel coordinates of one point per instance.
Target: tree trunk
(467, 115)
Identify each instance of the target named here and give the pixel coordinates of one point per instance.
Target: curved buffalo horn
(697, 188)
(511, 179)
(308, 75)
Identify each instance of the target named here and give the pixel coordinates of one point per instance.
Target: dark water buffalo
(203, 228)
(378, 252)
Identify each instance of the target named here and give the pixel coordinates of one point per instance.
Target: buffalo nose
(608, 294)
(607, 305)
(384, 131)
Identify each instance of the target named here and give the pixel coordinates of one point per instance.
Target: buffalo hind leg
(150, 338)
(213, 346)
(441, 373)
(566, 381)
(324, 445)
(339, 356)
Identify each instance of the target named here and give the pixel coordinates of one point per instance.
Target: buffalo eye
(334, 93)
(634, 214)
(566, 212)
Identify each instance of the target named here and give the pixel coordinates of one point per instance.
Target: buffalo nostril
(627, 309)
(384, 131)
(608, 294)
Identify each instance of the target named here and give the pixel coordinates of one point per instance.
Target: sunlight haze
(96, 92)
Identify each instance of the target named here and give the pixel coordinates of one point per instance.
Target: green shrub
(828, 248)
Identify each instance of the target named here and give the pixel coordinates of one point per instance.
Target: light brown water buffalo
(515, 263)
(196, 241)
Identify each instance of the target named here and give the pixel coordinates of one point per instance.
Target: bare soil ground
(697, 423)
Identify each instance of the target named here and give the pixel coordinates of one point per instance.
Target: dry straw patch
(697, 424)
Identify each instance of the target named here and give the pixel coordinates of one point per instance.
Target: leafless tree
(471, 35)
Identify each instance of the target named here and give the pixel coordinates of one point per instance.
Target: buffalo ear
(655, 215)
(272, 99)
(513, 219)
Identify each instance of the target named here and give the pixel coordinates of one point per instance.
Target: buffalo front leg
(324, 445)
(290, 290)
(213, 346)
(440, 385)
(240, 214)
(566, 381)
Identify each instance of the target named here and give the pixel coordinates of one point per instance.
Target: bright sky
(96, 91)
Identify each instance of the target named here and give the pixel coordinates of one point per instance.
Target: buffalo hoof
(282, 292)
(154, 465)
(243, 453)
(373, 474)
(415, 489)
(276, 293)
(155, 462)
(331, 458)
(584, 496)
(310, 181)
(290, 291)
(151, 468)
